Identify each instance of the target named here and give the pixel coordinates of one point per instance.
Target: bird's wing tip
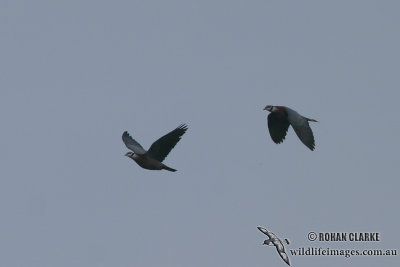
(183, 127)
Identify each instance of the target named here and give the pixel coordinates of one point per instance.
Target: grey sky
(76, 74)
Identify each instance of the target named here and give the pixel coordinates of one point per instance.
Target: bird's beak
(126, 155)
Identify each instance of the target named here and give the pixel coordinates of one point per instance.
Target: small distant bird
(274, 241)
(152, 159)
(279, 120)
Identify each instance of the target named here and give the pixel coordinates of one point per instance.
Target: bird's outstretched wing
(132, 144)
(301, 127)
(262, 229)
(160, 148)
(266, 232)
(278, 127)
(284, 256)
(304, 132)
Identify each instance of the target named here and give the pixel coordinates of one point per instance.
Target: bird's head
(129, 154)
(267, 242)
(269, 108)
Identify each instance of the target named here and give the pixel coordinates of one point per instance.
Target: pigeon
(274, 241)
(152, 159)
(279, 120)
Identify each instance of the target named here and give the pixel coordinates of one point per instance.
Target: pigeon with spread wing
(153, 158)
(278, 124)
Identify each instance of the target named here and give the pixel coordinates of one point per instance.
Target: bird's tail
(168, 168)
(311, 120)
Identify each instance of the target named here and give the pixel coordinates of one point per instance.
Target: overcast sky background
(76, 74)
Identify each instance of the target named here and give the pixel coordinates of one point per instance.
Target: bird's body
(146, 162)
(281, 118)
(152, 159)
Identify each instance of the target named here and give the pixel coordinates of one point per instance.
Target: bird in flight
(275, 241)
(278, 124)
(152, 159)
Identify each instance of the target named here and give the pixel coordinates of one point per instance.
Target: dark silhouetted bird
(152, 159)
(279, 120)
(275, 241)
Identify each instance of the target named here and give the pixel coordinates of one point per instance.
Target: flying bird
(152, 159)
(275, 241)
(278, 124)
